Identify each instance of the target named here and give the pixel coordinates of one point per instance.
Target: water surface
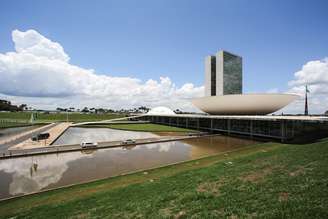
(6, 132)
(77, 135)
(31, 174)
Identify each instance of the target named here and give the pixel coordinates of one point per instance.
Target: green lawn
(263, 181)
(144, 127)
(12, 123)
(55, 117)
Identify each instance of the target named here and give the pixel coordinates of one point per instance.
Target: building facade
(223, 74)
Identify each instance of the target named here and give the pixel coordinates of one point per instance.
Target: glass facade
(279, 129)
(232, 74)
(223, 74)
(213, 76)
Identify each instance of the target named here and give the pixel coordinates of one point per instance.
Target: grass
(12, 123)
(269, 180)
(56, 117)
(144, 127)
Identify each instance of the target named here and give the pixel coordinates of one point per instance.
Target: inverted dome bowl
(243, 104)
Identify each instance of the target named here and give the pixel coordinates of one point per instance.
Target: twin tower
(223, 74)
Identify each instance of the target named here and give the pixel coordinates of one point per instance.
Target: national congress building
(224, 90)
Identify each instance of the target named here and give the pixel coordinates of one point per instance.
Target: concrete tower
(223, 74)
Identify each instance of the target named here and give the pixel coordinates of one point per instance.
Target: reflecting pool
(31, 174)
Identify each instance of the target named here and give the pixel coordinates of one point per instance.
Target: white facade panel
(219, 73)
(243, 104)
(208, 76)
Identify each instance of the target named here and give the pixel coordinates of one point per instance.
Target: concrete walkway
(106, 121)
(54, 132)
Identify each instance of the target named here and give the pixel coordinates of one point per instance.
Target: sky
(122, 54)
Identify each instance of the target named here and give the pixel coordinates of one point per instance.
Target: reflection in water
(4, 133)
(31, 174)
(77, 135)
(206, 146)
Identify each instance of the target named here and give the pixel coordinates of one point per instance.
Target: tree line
(6, 105)
(141, 109)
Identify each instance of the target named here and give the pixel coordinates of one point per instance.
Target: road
(101, 145)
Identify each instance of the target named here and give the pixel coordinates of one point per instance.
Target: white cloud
(315, 75)
(31, 42)
(312, 73)
(39, 73)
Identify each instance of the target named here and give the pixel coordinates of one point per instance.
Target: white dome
(161, 110)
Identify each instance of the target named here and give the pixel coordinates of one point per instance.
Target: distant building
(223, 74)
(161, 110)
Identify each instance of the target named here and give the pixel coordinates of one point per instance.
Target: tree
(85, 110)
(22, 107)
(6, 105)
(110, 111)
(100, 110)
(143, 109)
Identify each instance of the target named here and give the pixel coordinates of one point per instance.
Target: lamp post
(306, 108)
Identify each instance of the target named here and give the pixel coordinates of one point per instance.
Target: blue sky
(149, 39)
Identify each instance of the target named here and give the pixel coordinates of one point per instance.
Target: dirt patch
(210, 187)
(180, 215)
(264, 161)
(128, 215)
(297, 172)
(301, 170)
(256, 176)
(283, 196)
(166, 212)
(169, 210)
(82, 216)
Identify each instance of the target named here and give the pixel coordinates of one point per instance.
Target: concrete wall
(219, 73)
